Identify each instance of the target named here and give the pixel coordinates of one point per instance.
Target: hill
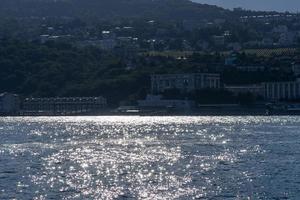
(277, 5)
(154, 9)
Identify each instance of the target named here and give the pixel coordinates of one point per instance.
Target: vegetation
(60, 69)
(93, 9)
(53, 48)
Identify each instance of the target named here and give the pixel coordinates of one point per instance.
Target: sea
(132, 157)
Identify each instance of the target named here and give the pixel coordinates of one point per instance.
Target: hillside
(277, 5)
(156, 9)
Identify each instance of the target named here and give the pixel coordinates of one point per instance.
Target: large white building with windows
(185, 82)
(276, 91)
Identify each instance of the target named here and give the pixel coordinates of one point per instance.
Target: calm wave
(150, 158)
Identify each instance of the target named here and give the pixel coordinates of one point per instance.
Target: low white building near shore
(68, 105)
(255, 89)
(277, 91)
(156, 101)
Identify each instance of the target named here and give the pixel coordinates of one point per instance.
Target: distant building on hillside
(9, 104)
(185, 82)
(107, 44)
(250, 68)
(108, 35)
(64, 105)
(276, 91)
(219, 40)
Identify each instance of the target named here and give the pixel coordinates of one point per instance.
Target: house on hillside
(185, 82)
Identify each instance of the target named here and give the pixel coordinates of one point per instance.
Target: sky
(277, 5)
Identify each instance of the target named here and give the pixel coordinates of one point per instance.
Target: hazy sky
(278, 5)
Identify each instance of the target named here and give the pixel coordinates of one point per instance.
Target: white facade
(257, 90)
(296, 68)
(249, 68)
(282, 90)
(9, 103)
(184, 82)
(64, 104)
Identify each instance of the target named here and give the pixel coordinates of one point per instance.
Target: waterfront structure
(256, 89)
(250, 68)
(9, 104)
(185, 82)
(276, 91)
(296, 68)
(156, 101)
(64, 105)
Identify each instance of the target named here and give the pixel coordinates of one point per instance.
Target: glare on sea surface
(136, 157)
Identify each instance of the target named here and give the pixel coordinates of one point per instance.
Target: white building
(251, 68)
(9, 103)
(282, 90)
(156, 101)
(64, 105)
(256, 89)
(185, 82)
(296, 68)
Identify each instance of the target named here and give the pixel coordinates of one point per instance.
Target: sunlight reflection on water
(148, 157)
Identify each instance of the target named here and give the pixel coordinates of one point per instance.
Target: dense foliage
(61, 70)
(89, 9)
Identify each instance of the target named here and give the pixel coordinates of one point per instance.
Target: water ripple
(149, 158)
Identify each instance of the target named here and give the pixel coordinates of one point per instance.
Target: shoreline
(164, 115)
